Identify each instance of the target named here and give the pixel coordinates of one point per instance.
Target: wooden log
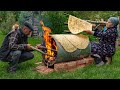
(97, 22)
(43, 47)
(40, 51)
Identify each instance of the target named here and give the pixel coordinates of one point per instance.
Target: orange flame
(50, 43)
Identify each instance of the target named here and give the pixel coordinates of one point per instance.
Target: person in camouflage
(105, 49)
(15, 48)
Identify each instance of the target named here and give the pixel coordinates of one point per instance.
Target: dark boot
(99, 61)
(97, 58)
(12, 68)
(100, 64)
(13, 62)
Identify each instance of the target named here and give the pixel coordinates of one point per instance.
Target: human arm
(108, 33)
(14, 43)
(89, 32)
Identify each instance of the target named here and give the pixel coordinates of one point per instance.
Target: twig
(40, 51)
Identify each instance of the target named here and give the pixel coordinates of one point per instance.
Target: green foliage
(24, 15)
(8, 19)
(16, 13)
(56, 21)
(93, 15)
(91, 37)
(30, 16)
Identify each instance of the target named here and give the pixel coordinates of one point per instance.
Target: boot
(12, 68)
(97, 60)
(100, 64)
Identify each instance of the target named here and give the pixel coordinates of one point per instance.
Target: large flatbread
(77, 25)
(72, 42)
(79, 41)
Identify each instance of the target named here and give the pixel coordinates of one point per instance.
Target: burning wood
(50, 45)
(43, 47)
(40, 51)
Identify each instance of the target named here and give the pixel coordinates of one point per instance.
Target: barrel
(63, 55)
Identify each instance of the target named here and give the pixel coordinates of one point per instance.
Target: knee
(31, 56)
(16, 53)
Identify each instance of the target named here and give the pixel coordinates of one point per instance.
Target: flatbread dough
(72, 42)
(77, 25)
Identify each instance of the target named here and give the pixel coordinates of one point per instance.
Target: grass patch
(90, 72)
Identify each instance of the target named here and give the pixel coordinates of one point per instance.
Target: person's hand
(29, 47)
(93, 25)
(88, 31)
(38, 46)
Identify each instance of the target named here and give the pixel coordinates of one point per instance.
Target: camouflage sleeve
(13, 42)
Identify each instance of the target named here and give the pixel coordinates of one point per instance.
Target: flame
(50, 43)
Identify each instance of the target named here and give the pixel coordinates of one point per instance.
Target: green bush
(31, 16)
(56, 21)
(7, 23)
(24, 16)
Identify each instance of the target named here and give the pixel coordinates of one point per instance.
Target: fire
(50, 43)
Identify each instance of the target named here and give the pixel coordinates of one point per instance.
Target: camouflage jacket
(14, 40)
